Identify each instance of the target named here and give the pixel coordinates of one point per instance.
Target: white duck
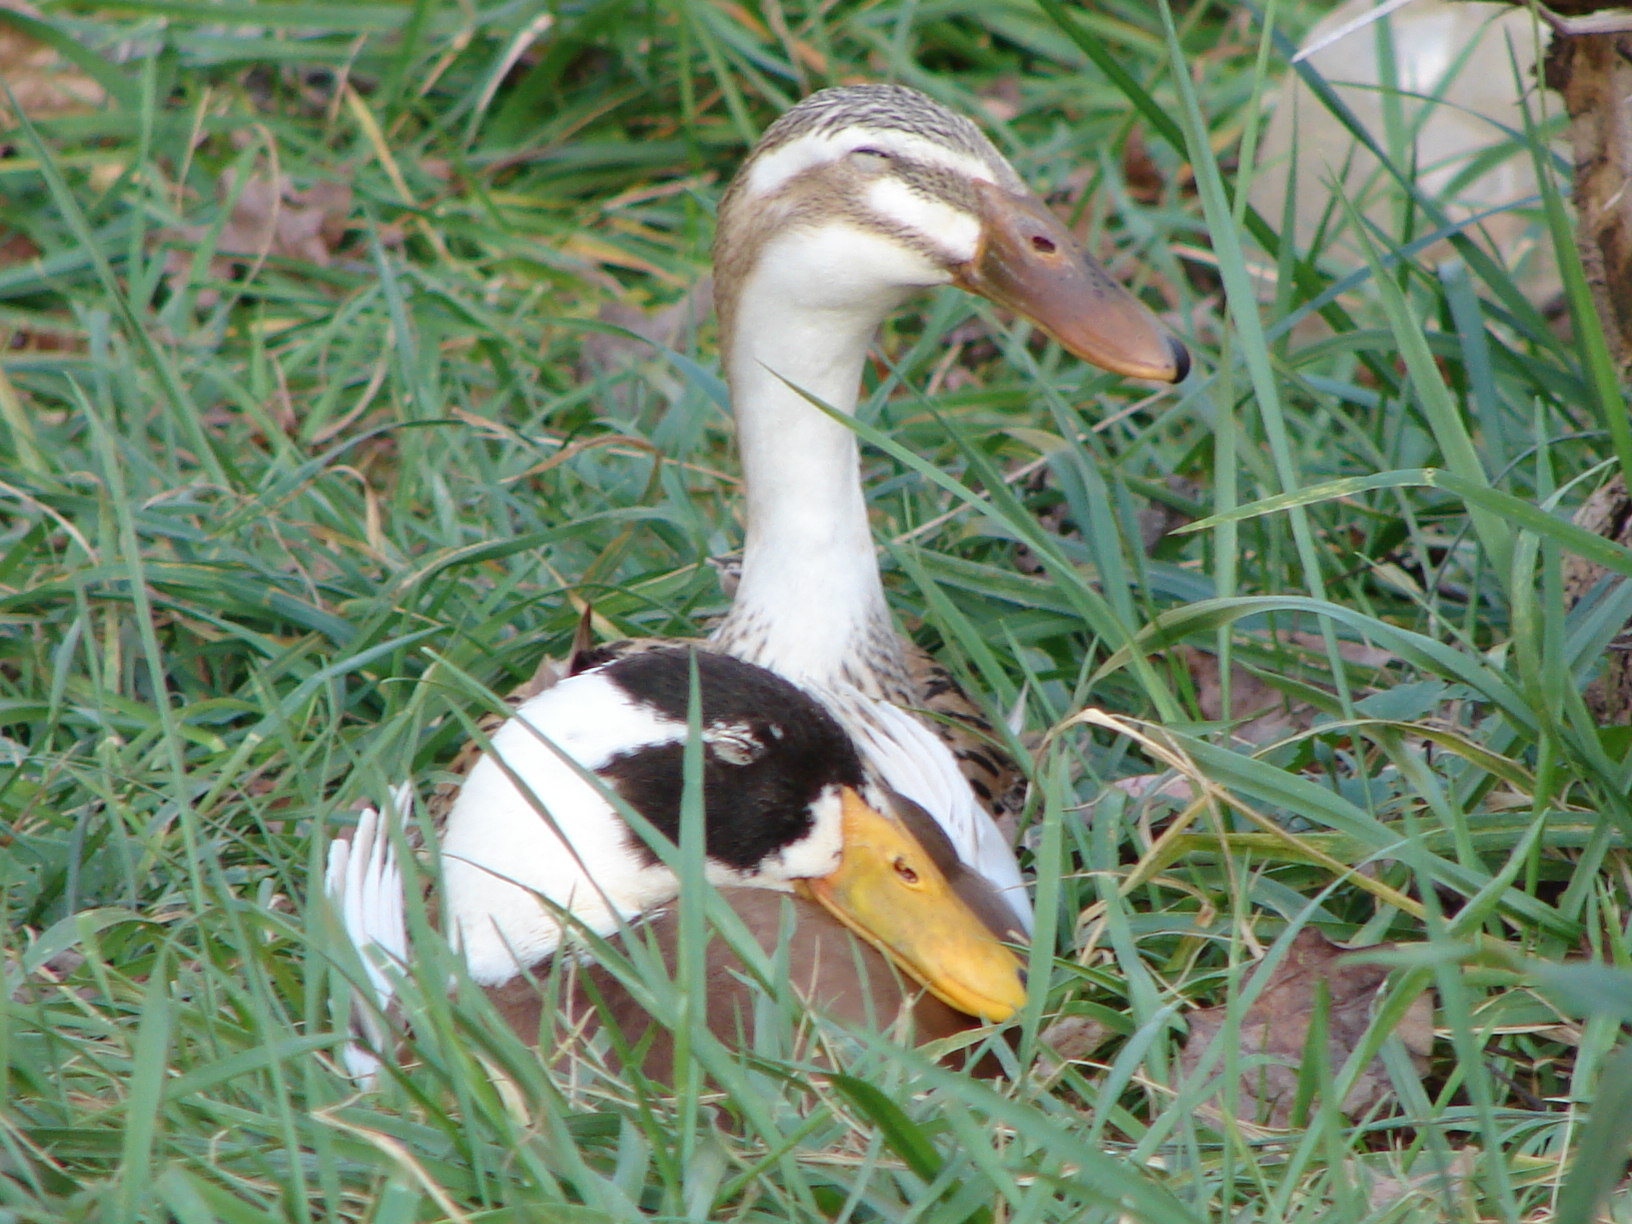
(855, 199)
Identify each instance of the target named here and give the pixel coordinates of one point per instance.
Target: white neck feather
(810, 598)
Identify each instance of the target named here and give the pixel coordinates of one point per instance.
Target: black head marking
(769, 750)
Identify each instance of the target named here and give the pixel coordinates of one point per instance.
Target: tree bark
(1592, 72)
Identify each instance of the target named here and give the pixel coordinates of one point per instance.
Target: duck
(540, 855)
(854, 200)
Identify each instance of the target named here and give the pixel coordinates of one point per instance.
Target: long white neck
(810, 604)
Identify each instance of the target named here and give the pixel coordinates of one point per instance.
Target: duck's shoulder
(586, 656)
(549, 672)
(583, 656)
(991, 772)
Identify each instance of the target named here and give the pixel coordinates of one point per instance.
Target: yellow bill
(887, 890)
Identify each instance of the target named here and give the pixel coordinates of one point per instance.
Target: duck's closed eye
(736, 744)
(869, 156)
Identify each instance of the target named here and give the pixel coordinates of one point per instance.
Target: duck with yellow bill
(537, 850)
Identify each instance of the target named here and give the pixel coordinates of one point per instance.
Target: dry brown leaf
(1431, 1186)
(1265, 712)
(1146, 180)
(1071, 1038)
(1003, 100)
(269, 219)
(1159, 519)
(1151, 786)
(43, 83)
(272, 218)
(1357, 654)
(16, 248)
(1274, 1032)
(607, 354)
(56, 333)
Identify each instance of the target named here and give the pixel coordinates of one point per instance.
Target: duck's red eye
(1043, 246)
(907, 874)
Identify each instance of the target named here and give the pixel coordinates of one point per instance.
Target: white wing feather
(364, 885)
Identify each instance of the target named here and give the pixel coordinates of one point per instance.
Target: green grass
(272, 534)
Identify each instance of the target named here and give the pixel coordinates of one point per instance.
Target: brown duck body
(830, 972)
(844, 978)
(562, 1007)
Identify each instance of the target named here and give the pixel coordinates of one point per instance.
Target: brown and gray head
(863, 194)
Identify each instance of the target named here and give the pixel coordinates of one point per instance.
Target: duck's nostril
(1024, 978)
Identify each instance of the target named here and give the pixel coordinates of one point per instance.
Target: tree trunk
(1592, 72)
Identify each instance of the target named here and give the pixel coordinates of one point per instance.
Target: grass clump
(285, 504)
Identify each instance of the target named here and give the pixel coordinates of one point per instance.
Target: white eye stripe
(954, 231)
(771, 170)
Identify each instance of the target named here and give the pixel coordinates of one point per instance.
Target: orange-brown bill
(1029, 262)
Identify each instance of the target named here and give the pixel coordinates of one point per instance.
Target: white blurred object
(1462, 72)
(364, 884)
